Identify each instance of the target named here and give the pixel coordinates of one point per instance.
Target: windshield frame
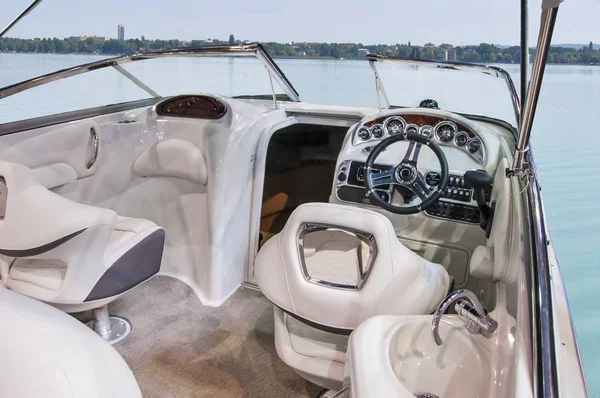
(493, 71)
(250, 49)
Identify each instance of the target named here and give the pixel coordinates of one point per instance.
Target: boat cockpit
(375, 251)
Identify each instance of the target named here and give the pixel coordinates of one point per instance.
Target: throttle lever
(481, 181)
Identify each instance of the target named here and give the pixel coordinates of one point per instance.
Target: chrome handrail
(250, 49)
(545, 370)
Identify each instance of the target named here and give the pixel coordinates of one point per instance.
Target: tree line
(484, 53)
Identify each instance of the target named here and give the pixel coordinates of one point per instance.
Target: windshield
(455, 88)
(234, 71)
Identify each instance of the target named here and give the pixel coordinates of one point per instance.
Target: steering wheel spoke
(380, 178)
(412, 153)
(420, 188)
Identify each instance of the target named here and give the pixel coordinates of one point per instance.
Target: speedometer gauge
(394, 125)
(445, 131)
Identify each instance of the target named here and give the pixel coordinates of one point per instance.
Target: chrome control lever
(470, 310)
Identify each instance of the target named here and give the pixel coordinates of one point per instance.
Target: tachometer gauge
(412, 128)
(461, 138)
(474, 145)
(394, 125)
(364, 133)
(377, 131)
(445, 131)
(426, 131)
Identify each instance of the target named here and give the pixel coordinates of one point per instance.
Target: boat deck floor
(181, 348)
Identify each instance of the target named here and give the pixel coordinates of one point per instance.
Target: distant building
(429, 45)
(95, 38)
(451, 56)
(121, 32)
(362, 53)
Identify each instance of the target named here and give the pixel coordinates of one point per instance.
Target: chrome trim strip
(545, 372)
(233, 50)
(365, 237)
(94, 148)
(136, 81)
(462, 66)
(20, 16)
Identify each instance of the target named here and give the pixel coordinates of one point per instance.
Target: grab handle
(95, 144)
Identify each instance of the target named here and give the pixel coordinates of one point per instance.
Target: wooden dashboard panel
(193, 107)
(421, 120)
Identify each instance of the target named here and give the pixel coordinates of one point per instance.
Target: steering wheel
(406, 174)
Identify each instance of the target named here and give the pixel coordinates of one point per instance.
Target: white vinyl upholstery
(400, 282)
(313, 341)
(74, 256)
(46, 353)
(173, 158)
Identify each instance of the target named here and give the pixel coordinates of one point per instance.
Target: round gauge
(445, 131)
(473, 145)
(412, 128)
(377, 131)
(427, 131)
(364, 133)
(394, 125)
(433, 179)
(461, 138)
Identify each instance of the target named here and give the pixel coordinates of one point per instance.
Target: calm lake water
(565, 139)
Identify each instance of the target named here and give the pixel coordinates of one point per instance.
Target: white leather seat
(73, 256)
(313, 317)
(47, 353)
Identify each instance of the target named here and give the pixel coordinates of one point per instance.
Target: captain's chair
(331, 268)
(70, 255)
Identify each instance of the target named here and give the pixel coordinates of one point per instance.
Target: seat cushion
(133, 254)
(48, 274)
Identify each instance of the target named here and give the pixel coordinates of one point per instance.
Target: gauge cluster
(444, 132)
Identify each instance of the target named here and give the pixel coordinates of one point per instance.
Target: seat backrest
(37, 220)
(397, 282)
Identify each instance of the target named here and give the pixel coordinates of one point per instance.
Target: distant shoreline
(312, 58)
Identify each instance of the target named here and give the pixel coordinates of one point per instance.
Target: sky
(458, 22)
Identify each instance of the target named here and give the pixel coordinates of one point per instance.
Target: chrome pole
(23, 14)
(524, 50)
(533, 93)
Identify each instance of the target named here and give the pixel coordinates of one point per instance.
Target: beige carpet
(180, 348)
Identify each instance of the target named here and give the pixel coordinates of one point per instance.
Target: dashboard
(444, 131)
(462, 143)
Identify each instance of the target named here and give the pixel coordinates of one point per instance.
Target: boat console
(461, 141)
(457, 201)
